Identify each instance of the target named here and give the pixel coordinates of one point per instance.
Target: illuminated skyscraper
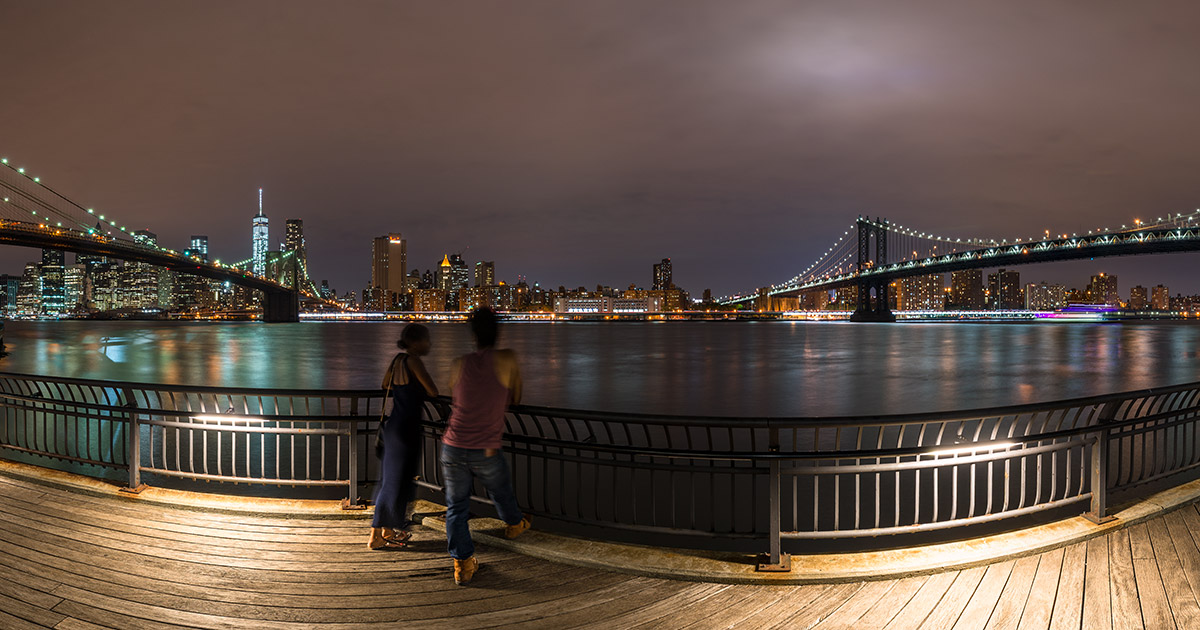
(260, 236)
(485, 273)
(662, 275)
(200, 246)
(389, 267)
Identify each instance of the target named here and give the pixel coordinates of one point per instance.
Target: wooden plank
(983, 601)
(657, 609)
(1011, 605)
(819, 609)
(922, 603)
(1068, 601)
(846, 617)
(1188, 556)
(27, 587)
(951, 607)
(12, 622)
(1153, 596)
(1040, 605)
(762, 597)
(1183, 603)
(1127, 612)
(29, 612)
(646, 591)
(71, 623)
(801, 598)
(1139, 542)
(1097, 594)
(732, 597)
(897, 598)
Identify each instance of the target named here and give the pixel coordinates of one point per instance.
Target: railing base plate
(765, 566)
(1098, 520)
(128, 490)
(347, 505)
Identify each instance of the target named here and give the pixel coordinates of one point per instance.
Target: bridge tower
(872, 305)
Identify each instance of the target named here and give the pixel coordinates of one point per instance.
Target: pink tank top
(478, 405)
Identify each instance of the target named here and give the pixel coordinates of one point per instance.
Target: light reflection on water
(746, 369)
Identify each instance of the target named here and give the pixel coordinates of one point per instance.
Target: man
(484, 383)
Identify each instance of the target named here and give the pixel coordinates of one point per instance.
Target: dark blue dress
(402, 440)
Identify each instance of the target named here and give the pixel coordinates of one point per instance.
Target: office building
(53, 286)
(485, 273)
(29, 291)
(260, 240)
(389, 266)
(966, 290)
(9, 286)
(199, 247)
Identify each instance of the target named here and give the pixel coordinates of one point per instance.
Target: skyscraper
(293, 241)
(53, 281)
(1160, 298)
(662, 275)
(459, 272)
(200, 246)
(485, 273)
(260, 235)
(389, 266)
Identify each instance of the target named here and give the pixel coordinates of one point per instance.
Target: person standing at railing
(483, 383)
(408, 384)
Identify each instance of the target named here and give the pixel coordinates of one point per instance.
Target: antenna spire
(260, 213)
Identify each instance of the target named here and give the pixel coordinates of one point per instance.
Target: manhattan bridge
(32, 214)
(873, 253)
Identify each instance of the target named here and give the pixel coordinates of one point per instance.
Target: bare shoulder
(506, 356)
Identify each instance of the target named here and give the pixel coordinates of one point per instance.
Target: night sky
(578, 142)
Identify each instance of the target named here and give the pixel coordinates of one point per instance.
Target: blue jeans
(460, 468)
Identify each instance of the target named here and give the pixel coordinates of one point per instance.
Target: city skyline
(736, 140)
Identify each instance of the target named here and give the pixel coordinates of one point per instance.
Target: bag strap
(390, 377)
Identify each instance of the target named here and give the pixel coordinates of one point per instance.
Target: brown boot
(464, 570)
(512, 531)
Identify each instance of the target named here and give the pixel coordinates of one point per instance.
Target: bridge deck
(70, 560)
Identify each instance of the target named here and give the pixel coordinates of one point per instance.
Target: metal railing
(754, 480)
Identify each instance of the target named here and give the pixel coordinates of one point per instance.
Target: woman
(409, 383)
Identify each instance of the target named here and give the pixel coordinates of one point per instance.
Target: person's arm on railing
(418, 369)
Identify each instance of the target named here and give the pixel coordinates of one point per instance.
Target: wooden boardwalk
(71, 561)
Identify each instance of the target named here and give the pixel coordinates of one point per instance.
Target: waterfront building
(29, 291)
(1045, 297)
(814, 301)
(1103, 290)
(445, 277)
(52, 272)
(663, 279)
(1160, 298)
(105, 279)
(9, 287)
(325, 292)
(675, 299)
(199, 247)
(430, 300)
(260, 236)
(845, 298)
(1137, 298)
(485, 273)
(966, 290)
(921, 293)
(389, 266)
(75, 287)
(1004, 291)
(460, 274)
(474, 297)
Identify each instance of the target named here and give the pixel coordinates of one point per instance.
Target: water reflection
(742, 369)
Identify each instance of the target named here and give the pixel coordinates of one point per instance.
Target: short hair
(485, 326)
(412, 334)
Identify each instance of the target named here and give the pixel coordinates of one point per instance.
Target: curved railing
(728, 479)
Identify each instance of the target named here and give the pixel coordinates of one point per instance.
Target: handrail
(712, 478)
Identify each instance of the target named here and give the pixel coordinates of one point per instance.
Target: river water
(709, 368)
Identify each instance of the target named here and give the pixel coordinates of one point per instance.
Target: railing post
(352, 502)
(774, 560)
(133, 449)
(1098, 513)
